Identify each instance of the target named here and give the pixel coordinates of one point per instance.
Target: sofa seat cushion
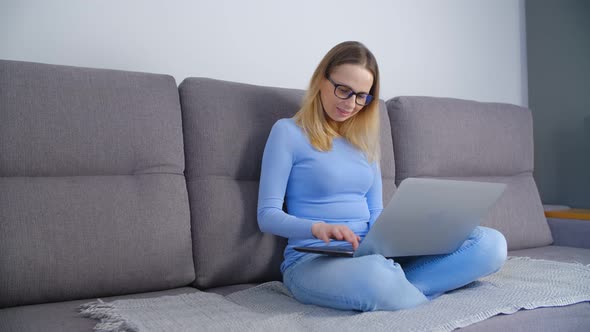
(226, 290)
(556, 253)
(568, 318)
(64, 316)
(575, 317)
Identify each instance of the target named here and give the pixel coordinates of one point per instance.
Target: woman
(325, 162)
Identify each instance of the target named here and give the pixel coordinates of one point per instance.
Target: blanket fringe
(109, 319)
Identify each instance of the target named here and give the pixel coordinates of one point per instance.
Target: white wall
(472, 49)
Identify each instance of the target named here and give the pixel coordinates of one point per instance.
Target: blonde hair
(362, 129)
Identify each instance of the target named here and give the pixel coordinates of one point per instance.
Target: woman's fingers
(324, 236)
(337, 233)
(325, 232)
(352, 238)
(344, 233)
(320, 231)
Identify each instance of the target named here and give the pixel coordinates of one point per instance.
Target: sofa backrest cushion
(93, 200)
(469, 140)
(226, 126)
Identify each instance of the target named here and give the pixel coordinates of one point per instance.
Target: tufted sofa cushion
(226, 125)
(93, 200)
(462, 139)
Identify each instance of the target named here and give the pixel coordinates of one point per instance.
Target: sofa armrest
(570, 227)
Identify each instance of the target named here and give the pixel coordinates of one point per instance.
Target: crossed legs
(373, 282)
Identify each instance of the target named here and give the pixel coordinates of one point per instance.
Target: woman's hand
(325, 232)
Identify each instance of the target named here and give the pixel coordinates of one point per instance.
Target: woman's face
(354, 77)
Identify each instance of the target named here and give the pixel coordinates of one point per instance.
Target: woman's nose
(351, 101)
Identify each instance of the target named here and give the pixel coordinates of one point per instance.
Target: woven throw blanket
(522, 283)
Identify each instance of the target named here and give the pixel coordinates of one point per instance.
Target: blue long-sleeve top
(338, 186)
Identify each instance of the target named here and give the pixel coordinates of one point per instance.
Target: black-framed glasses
(344, 92)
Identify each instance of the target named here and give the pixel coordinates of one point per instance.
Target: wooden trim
(583, 214)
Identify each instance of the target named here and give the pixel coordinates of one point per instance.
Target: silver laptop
(424, 217)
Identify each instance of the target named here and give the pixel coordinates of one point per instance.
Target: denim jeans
(374, 282)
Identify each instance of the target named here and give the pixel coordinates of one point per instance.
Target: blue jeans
(374, 282)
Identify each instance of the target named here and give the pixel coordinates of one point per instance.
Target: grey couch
(119, 184)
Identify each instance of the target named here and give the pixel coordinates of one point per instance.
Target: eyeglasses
(344, 92)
